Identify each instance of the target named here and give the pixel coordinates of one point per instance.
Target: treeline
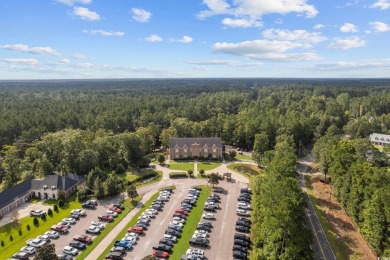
(361, 186)
(278, 209)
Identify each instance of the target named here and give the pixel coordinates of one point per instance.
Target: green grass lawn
(182, 245)
(338, 247)
(19, 241)
(132, 222)
(243, 157)
(248, 170)
(207, 166)
(129, 205)
(181, 166)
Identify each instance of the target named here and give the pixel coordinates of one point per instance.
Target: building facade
(380, 139)
(182, 148)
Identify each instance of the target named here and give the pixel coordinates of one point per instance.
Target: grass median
(129, 205)
(189, 228)
(131, 223)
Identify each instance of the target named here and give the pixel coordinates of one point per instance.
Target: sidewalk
(118, 228)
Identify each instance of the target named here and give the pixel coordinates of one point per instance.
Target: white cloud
(381, 4)
(32, 62)
(231, 63)
(296, 35)
(318, 26)
(184, 39)
(257, 8)
(244, 23)
(79, 56)
(104, 33)
(266, 50)
(33, 50)
(347, 43)
(379, 26)
(348, 27)
(64, 61)
(347, 65)
(153, 38)
(141, 15)
(86, 14)
(73, 2)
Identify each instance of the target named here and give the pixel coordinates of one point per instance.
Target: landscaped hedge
(142, 177)
(173, 175)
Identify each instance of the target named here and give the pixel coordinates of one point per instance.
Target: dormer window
(44, 187)
(53, 187)
(376, 138)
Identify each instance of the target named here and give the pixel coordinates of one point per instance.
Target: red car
(83, 238)
(182, 211)
(115, 209)
(106, 218)
(59, 228)
(159, 253)
(136, 229)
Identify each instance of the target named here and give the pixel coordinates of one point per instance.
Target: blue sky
(69, 39)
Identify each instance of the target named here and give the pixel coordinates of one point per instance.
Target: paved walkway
(196, 169)
(118, 228)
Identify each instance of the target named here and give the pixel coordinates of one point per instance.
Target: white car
(52, 234)
(154, 211)
(202, 232)
(164, 198)
(37, 213)
(178, 219)
(78, 212)
(195, 252)
(66, 224)
(144, 217)
(112, 213)
(176, 223)
(195, 235)
(28, 249)
(44, 238)
(132, 234)
(36, 242)
(131, 239)
(243, 205)
(70, 250)
(170, 237)
(98, 224)
(165, 193)
(243, 213)
(69, 220)
(148, 214)
(208, 216)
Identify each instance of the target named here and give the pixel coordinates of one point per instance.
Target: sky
(77, 39)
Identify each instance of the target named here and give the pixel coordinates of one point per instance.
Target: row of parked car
(243, 225)
(121, 247)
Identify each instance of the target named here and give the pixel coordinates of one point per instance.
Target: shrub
(43, 217)
(61, 203)
(201, 171)
(142, 177)
(178, 175)
(35, 222)
(120, 169)
(11, 238)
(50, 212)
(55, 208)
(2, 243)
(20, 232)
(28, 227)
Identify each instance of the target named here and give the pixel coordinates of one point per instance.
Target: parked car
(64, 257)
(106, 218)
(241, 242)
(52, 234)
(124, 243)
(160, 254)
(79, 212)
(21, 255)
(243, 223)
(203, 242)
(239, 255)
(213, 195)
(209, 208)
(179, 215)
(200, 227)
(111, 213)
(70, 250)
(241, 236)
(114, 209)
(93, 230)
(28, 249)
(93, 202)
(166, 241)
(36, 242)
(60, 229)
(97, 224)
(163, 247)
(240, 248)
(45, 238)
(114, 256)
(205, 223)
(119, 249)
(172, 232)
(119, 206)
(135, 235)
(37, 213)
(135, 229)
(66, 224)
(244, 199)
(242, 229)
(174, 227)
(208, 216)
(218, 189)
(181, 211)
(179, 219)
(87, 205)
(83, 238)
(77, 244)
(170, 237)
(245, 220)
(243, 213)
(69, 220)
(144, 226)
(131, 239)
(195, 252)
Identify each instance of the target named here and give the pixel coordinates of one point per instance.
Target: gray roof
(180, 142)
(14, 193)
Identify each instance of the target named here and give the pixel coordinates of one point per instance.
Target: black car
(243, 199)
(87, 205)
(186, 208)
(201, 227)
(241, 242)
(144, 221)
(119, 249)
(163, 247)
(214, 196)
(239, 255)
(205, 223)
(78, 245)
(156, 207)
(114, 255)
(180, 215)
(119, 206)
(246, 190)
(245, 220)
(198, 241)
(241, 236)
(168, 189)
(209, 208)
(243, 223)
(21, 255)
(172, 232)
(75, 216)
(240, 248)
(242, 229)
(64, 257)
(196, 188)
(166, 242)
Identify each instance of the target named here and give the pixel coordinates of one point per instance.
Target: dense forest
(100, 127)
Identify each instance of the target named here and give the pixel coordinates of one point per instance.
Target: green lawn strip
(132, 222)
(208, 166)
(338, 247)
(181, 166)
(159, 178)
(129, 205)
(11, 247)
(243, 157)
(189, 228)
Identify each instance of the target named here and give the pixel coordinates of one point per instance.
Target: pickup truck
(124, 243)
(60, 229)
(203, 242)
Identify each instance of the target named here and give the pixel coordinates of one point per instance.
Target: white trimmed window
(206, 151)
(214, 150)
(185, 150)
(176, 150)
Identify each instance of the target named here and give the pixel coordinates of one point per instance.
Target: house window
(54, 196)
(214, 150)
(214, 156)
(206, 151)
(185, 150)
(176, 150)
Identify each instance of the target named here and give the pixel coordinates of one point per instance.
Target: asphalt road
(320, 244)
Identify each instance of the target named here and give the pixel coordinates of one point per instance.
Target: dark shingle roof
(189, 141)
(14, 193)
